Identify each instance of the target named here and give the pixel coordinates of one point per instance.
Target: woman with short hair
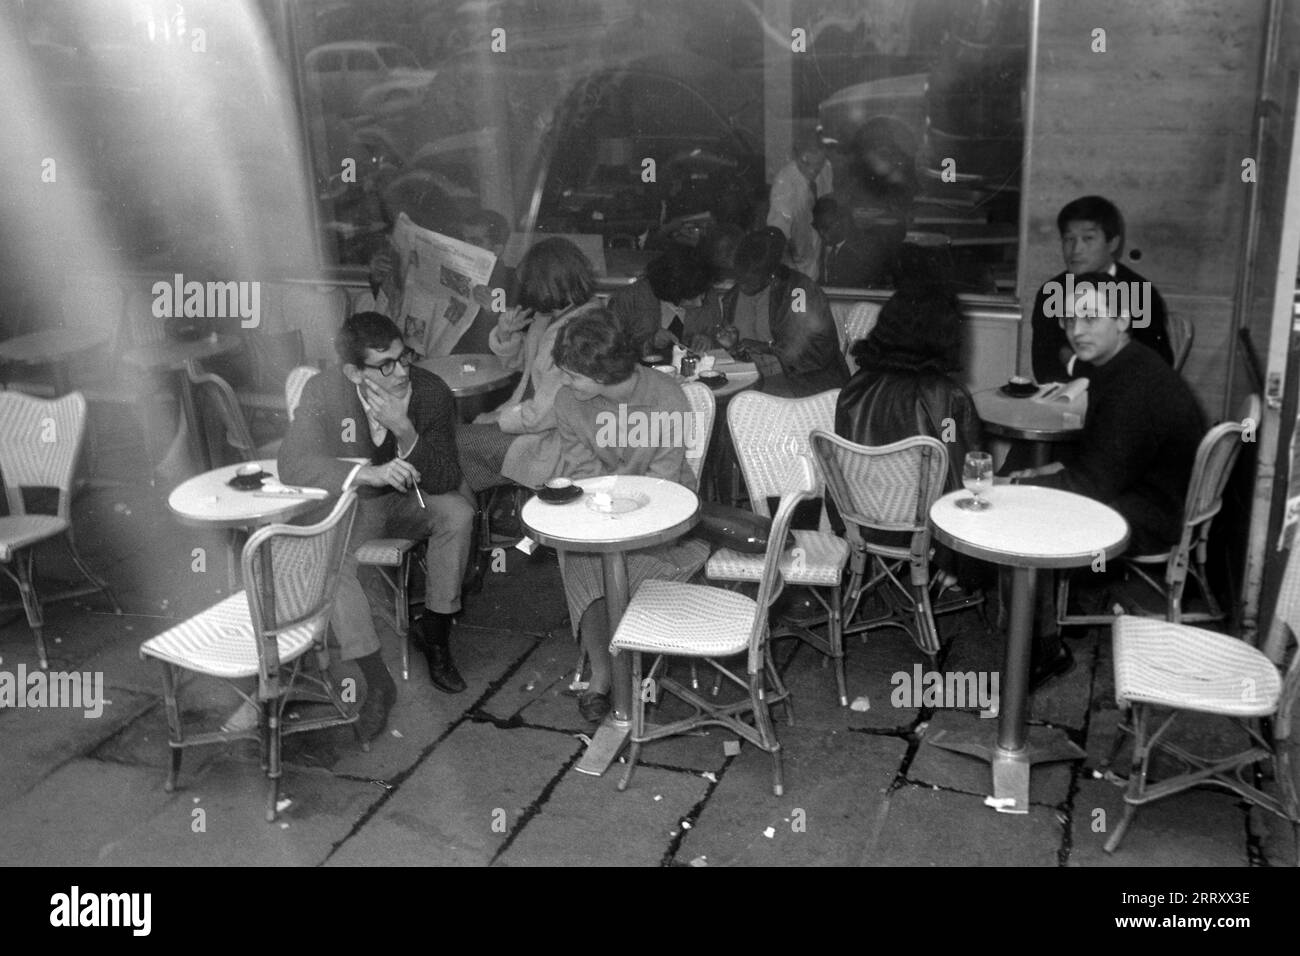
(603, 386)
(670, 305)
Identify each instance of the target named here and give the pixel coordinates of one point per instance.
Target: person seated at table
(1139, 438)
(1092, 239)
(904, 387)
(604, 383)
(667, 306)
(488, 229)
(782, 320)
(517, 441)
(400, 419)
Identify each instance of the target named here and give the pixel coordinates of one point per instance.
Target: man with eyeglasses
(1139, 438)
(400, 421)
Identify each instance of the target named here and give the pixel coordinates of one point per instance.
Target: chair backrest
(887, 487)
(798, 482)
(1181, 334)
(304, 563)
(1211, 470)
(769, 432)
(218, 392)
(858, 325)
(294, 384)
(698, 436)
(39, 444)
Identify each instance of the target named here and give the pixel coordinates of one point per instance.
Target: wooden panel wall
(1159, 124)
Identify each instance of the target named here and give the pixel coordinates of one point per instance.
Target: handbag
(726, 527)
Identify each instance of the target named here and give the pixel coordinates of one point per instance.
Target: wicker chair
(1215, 457)
(1181, 336)
(216, 393)
(768, 433)
(858, 325)
(667, 619)
(265, 632)
(1163, 666)
(39, 444)
(889, 489)
(393, 558)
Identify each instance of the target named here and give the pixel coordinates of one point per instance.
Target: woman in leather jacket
(903, 387)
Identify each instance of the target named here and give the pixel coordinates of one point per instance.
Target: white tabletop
(467, 375)
(740, 375)
(1030, 527)
(669, 510)
(1026, 418)
(207, 500)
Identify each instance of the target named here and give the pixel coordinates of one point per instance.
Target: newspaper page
(438, 275)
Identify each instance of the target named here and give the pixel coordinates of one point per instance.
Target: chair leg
(25, 571)
(1137, 776)
(766, 733)
(835, 631)
(273, 770)
(778, 685)
(90, 575)
(176, 736)
(402, 613)
(638, 721)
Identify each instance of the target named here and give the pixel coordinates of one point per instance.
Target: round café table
(469, 377)
(1042, 424)
(173, 356)
(1025, 528)
(208, 501)
(664, 512)
(53, 347)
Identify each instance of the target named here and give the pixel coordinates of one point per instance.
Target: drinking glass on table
(977, 476)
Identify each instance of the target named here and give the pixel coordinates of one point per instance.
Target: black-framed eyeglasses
(386, 367)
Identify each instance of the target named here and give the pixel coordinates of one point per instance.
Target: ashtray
(602, 502)
(248, 482)
(1016, 389)
(713, 379)
(559, 496)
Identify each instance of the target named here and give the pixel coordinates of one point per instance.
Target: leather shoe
(1058, 664)
(435, 643)
(373, 717)
(594, 707)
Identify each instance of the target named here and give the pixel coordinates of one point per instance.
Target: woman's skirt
(482, 450)
(584, 582)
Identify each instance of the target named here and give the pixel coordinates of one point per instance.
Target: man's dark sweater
(1049, 338)
(1139, 442)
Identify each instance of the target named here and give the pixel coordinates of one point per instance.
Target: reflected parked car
(365, 76)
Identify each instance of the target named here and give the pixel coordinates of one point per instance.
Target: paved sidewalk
(486, 777)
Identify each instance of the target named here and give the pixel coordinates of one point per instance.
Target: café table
(469, 377)
(663, 512)
(1026, 528)
(208, 501)
(1042, 424)
(52, 347)
(173, 356)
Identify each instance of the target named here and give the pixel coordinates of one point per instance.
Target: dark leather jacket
(881, 407)
(805, 342)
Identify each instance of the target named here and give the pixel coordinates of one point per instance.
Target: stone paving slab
(925, 827)
(527, 599)
(231, 795)
(586, 821)
(456, 808)
(868, 673)
(936, 767)
(835, 792)
(33, 742)
(67, 820)
(1195, 828)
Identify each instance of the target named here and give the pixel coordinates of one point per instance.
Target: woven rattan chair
(265, 632)
(769, 433)
(1161, 666)
(393, 558)
(213, 391)
(669, 619)
(889, 489)
(1181, 336)
(1211, 470)
(39, 444)
(858, 324)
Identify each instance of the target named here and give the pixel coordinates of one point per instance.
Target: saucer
(559, 496)
(248, 482)
(1013, 390)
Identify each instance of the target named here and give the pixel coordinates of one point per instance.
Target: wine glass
(977, 476)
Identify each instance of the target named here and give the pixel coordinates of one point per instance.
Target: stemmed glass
(977, 476)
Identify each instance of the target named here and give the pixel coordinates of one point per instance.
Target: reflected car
(365, 76)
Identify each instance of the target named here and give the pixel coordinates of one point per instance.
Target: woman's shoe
(594, 707)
